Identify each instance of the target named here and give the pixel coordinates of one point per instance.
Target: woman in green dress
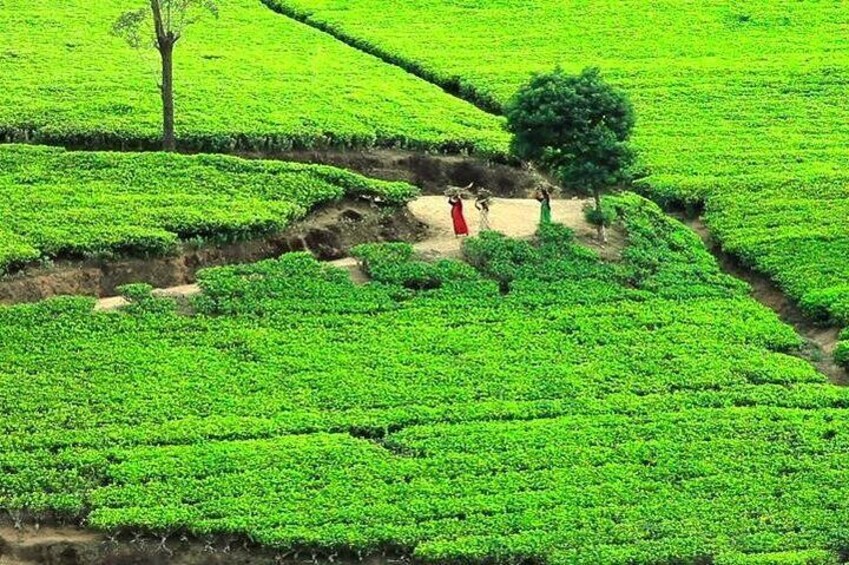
(544, 198)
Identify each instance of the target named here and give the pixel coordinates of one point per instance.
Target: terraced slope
(250, 80)
(739, 105)
(540, 406)
(63, 203)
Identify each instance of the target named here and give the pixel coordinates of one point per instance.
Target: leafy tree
(165, 22)
(577, 127)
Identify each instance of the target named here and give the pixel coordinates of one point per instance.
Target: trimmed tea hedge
(57, 203)
(544, 406)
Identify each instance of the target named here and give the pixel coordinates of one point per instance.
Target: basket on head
(483, 195)
(456, 192)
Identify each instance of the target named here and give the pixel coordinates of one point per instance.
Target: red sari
(460, 227)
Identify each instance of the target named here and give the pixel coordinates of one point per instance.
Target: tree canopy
(577, 127)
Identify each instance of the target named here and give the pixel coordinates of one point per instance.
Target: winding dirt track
(515, 217)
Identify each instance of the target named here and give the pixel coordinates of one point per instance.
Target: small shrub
(136, 292)
(604, 217)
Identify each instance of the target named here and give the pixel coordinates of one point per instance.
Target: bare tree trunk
(165, 40)
(169, 142)
(602, 230)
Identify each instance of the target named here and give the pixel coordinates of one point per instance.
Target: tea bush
(57, 203)
(582, 414)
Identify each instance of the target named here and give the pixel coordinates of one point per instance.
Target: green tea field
(647, 412)
(250, 79)
(741, 105)
(601, 386)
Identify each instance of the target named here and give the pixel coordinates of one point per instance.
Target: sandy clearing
(514, 217)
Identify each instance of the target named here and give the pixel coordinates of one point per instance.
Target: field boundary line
(454, 86)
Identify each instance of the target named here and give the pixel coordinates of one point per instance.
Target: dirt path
(515, 217)
(59, 545)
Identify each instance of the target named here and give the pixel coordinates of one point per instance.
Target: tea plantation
(530, 404)
(57, 203)
(535, 405)
(251, 79)
(741, 105)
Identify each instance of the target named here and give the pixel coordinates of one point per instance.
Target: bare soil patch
(328, 233)
(68, 545)
(514, 217)
(429, 171)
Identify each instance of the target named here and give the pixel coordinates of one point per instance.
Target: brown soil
(821, 340)
(328, 233)
(430, 172)
(67, 545)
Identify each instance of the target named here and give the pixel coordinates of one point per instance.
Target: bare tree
(164, 21)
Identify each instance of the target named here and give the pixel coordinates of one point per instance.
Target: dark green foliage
(604, 216)
(499, 257)
(841, 353)
(577, 127)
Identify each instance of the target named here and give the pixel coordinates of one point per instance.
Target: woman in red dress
(460, 227)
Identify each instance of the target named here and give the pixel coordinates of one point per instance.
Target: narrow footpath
(514, 217)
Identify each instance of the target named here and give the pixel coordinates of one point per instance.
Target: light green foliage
(796, 230)
(251, 79)
(576, 413)
(59, 203)
(136, 292)
(392, 263)
(744, 103)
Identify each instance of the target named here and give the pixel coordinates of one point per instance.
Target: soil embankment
(429, 171)
(328, 233)
(821, 340)
(69, 545)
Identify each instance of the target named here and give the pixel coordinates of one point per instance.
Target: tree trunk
(166, 50)
(602, 230)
